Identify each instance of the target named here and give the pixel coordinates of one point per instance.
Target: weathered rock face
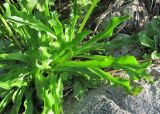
(108, 100)
(140, 11)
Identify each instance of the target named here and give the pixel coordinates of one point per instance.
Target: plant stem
(87, 15)
(10, 31)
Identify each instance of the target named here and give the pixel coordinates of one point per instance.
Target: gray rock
(140, 11)
(109, 100)
(95, 102)
(134, 8)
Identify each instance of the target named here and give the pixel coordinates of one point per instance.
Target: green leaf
(6, 101)
(66, 55)
(136, 90)
(10, 84)
(39, 83)
(96, 57)
(90, 63)
(28, 103)
(14, 56)
(71, 25)
(78, 39)
(79, 90)
(155, 55)
(87, 15)
(43, 5)
(17, 100)
(145, 40)
(135, 70)
(56, 24)
(50, 92)
(28, 5)
(3, 66)
(14, 78)
(126, 60)
(59, 89)
(10, 31)
(21, 17)
(53, 54)
(119, 41)
(124, 82)
(105, 34)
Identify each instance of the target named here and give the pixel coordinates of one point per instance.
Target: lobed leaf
(105, 34)
(145, 40)
(14, 56)
(107, 76)
(22, 18)
(17, 100)
(78, 39)
(56, 24)
(6, 100)
(90, 63)
(14, 78)
(28, 103)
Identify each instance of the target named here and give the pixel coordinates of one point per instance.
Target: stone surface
(134, 8)
(109, 100)
(140, 11)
